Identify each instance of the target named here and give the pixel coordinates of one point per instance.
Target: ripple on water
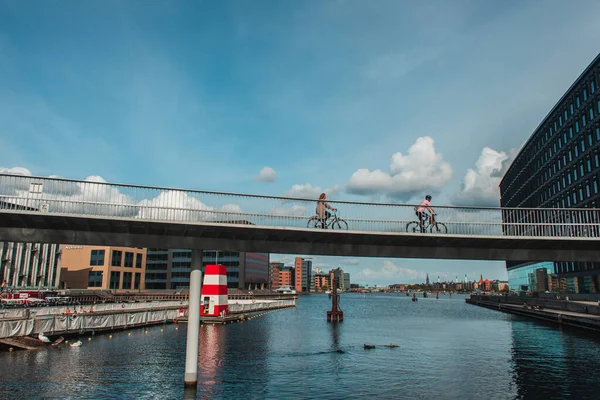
(447, 349)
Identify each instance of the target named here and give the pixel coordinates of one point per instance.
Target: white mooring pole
(193, 329)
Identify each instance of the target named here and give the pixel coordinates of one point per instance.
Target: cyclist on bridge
(321, 210)
(423, 209)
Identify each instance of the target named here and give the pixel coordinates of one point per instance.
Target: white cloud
(389, 270)
(91, 196)
(420, 170)
(15, 171)
(267, 174)
(174, 205)
(294, 211)
(480, 185)
(307, 191)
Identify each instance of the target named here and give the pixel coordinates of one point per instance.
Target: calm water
(447, 350)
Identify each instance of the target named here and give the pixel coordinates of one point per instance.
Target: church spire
(427, 280)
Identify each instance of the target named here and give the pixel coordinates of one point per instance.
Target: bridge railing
(96, 198)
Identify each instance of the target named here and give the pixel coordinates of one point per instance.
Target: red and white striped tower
(214, 291)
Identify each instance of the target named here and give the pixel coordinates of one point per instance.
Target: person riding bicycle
(321, 210)
(423, 209)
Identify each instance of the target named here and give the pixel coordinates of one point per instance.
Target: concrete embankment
(562, 312)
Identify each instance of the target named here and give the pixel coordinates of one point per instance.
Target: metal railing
(29, 194)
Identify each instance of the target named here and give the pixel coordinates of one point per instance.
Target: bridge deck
(30, 226)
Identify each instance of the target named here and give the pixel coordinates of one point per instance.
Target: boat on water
(58, 341)
(75, 344)
(286, 289)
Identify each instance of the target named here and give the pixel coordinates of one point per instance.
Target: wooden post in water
(335, 314)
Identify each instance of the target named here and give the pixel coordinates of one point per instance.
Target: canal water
(446, 350)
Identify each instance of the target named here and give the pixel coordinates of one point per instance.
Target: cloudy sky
(378, 101)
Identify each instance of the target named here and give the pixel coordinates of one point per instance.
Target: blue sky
(379, 100)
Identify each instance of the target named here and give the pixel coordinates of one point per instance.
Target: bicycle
(430, 225)
(334, 222)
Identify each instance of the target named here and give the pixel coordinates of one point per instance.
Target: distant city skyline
(290, 98)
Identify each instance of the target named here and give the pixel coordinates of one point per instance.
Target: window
(582, 145)
(127, 280)
(116, 258)
(584, 94)
(571, 108)
(583, 120)
(581, 170)
(576, 126)
(560, 120)
(577, 102)
(95, 278)
(570, 133)
(593, 86)
(138, 260)
(566, 116)
(590, 140)
(115, 277)
(97, 257)
(587, 190)
(597, 160)
(591, 113)
(128, 260)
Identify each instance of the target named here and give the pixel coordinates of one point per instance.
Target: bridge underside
(68, 229)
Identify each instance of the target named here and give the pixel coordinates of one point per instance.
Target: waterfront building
(338, 275)
(170, 268)
(559, 167)
(30, 265)
(321, 282)
(346, 281)
(103, 267)
(303, 272)
(287, 276)
(275, 274)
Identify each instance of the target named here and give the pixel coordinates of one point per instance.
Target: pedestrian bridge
(55, 210)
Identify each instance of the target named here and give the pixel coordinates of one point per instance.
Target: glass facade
(170, 269)
(559, 167)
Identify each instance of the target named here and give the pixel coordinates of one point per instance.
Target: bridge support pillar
(193, 328)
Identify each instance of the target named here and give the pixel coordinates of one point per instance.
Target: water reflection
(447, 350)
(550, 363)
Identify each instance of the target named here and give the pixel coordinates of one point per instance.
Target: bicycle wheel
(413, 227)
(439, 228)
(340, 224)
(313, 222)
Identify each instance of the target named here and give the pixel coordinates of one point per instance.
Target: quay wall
(567, 318)
(553, 303)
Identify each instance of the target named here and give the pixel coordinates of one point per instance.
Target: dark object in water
(58, 341)
(369, 346)
(391, 345)
(340, 351)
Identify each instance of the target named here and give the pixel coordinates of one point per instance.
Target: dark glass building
(559, 168)
(170, 268)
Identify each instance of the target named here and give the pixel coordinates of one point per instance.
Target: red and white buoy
(214, 291)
